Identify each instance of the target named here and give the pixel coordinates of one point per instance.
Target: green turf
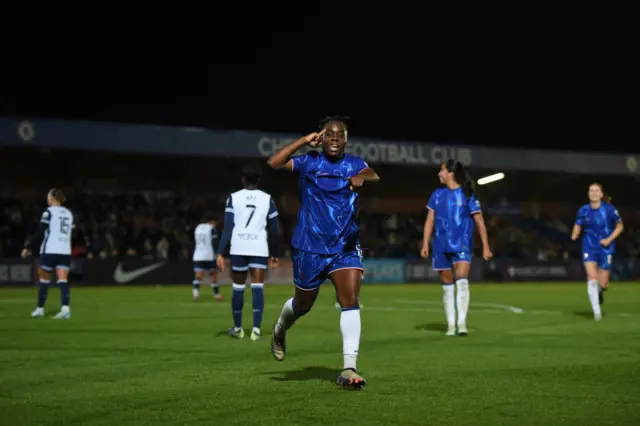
(147, 356)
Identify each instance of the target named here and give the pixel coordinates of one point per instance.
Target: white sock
(449, 302)
(287, 317)
(462, 299)
(593, 288)
(196, 292)
(65, 309)
(350, 327)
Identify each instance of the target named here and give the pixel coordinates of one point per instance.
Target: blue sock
(196, 284)
(216, 289)
(43, 291)
(64, 292)
(257, 298)
(237, 303)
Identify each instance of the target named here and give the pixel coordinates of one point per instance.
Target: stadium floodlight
(491, 178)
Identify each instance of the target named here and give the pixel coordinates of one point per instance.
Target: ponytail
(462, 177)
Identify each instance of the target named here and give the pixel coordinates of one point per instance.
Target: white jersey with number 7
(251, 212)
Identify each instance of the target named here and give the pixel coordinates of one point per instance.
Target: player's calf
(215, 288)
(65, 297)
(195, 292)
(462, 303)
(257, 299)
(237, 305)
(43, 291)
(449, 302)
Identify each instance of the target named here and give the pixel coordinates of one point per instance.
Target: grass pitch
(150, 356)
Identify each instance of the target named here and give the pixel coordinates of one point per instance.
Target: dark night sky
(563, 83)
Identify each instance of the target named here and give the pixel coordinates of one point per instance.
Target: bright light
(492, 178)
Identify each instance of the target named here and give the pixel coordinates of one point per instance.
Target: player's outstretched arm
(482, 230)
(282, 158)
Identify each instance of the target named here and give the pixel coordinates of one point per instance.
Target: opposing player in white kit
(56, 226)
(204, 255)
(247, 214)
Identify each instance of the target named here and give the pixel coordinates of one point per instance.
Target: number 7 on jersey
(253, 210)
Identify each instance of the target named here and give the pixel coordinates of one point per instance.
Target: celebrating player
(326, 238)
(56, 226)
(602, 225)
(246, 217)
(206, 238)
(452, 212)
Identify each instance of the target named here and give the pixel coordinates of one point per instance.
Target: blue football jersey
(597, 224)
(453, 224)
(327, 219)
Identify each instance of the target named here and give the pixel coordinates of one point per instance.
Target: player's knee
(462, 284)
(301, 306)
(347, 301)
(446, 277)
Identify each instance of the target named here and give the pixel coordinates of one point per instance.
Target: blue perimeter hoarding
(384, 271)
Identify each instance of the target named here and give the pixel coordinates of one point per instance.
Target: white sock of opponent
(462, 299)
(448, 299)
(593, 287)
(350, 327)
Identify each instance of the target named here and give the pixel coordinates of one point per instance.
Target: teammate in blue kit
(454, 212)
(326, 238)
(602, 225)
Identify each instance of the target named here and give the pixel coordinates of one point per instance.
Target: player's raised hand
(314, 139)
(275, 262)
(424, 253)
(220, 263)
(356, 182)
(486, 253)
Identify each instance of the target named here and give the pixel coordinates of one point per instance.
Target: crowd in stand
(156, 225)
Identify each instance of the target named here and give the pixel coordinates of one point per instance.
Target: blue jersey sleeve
(580, 217)
(615, 215)
(474, 205)
(431, 205)
(359, 164)
(301, 163)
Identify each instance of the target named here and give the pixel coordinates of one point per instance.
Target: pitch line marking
(513, 309)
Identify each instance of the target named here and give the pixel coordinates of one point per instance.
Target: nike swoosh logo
(121, 276)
